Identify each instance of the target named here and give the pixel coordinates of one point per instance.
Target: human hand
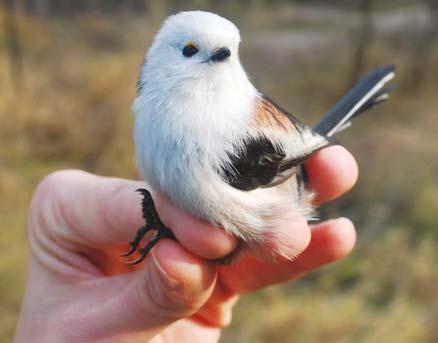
(80, 290)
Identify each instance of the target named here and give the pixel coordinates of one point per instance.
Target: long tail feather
(365, 94)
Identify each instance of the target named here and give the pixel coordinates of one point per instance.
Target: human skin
(80, 290)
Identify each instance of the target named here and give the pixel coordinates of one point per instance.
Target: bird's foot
(152, 223)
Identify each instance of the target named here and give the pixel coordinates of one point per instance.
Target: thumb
(172, 285)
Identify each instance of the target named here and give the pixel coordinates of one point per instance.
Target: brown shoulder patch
(270, 115)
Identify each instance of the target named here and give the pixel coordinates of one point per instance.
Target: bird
(216, 146)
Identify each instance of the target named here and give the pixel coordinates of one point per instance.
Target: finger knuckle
(48, 195)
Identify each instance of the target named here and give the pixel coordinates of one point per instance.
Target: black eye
(190, 50)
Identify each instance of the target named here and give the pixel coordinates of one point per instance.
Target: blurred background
(68, 71)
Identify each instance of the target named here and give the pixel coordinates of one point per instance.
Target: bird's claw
(129, 252)
(153, 222)
(145, 250)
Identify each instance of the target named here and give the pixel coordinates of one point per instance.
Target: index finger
(96, 211)
(332, 171)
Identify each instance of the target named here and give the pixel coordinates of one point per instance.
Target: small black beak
(220, 55)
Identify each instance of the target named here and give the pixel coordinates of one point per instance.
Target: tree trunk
(362, 40)
(12, 42)
(425, 44)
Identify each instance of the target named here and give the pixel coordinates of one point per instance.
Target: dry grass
(72, 110)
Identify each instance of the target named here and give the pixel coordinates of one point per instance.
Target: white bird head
(191, 46)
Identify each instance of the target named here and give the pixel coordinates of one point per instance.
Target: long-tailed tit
(215, 145)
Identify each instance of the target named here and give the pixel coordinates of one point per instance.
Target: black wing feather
(257, 165)
(260, 163)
